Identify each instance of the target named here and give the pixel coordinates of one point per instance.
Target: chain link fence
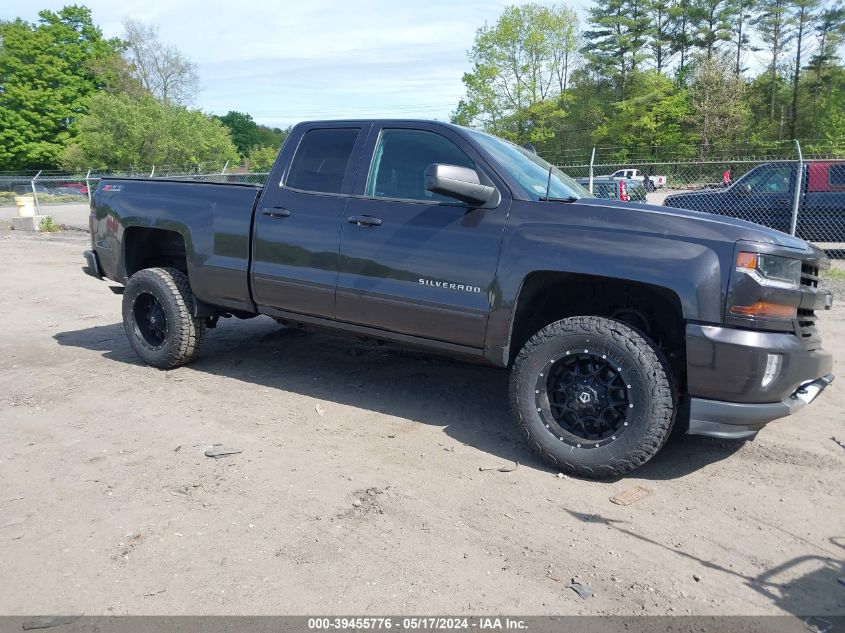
(797, 194)
(52, 188)
(777, 186)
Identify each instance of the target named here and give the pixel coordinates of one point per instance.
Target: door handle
(783, 201)
(276, 212)
(363, 220)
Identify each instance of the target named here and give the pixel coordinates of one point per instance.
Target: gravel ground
(359, 487)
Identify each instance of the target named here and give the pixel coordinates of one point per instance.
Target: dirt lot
(358, 489)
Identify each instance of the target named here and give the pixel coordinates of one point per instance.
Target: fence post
(153, 171)
(88, 186)
(592, 162)
(796, 202)
(223, 173)
(35, 193)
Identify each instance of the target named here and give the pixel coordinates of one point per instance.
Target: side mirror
(461, 183)
(744, 189)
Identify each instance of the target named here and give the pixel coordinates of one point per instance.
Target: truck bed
(214, 220)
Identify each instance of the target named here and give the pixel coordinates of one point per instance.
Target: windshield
(529, 170)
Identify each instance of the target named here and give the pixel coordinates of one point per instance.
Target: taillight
(623, 192)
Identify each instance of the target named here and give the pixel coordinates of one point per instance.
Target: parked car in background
(652, 183)
(766, 195)
(76, 188)
(616, 189)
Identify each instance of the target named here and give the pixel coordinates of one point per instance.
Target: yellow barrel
(26, 206)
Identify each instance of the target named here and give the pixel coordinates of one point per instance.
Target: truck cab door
(765, 196)
(296, 232)
(412, 261)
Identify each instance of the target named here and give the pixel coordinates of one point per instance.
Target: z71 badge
(448, 285)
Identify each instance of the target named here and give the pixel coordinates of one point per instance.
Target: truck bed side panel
(214, 219)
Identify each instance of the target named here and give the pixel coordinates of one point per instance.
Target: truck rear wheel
(592, 396)
(157, 316)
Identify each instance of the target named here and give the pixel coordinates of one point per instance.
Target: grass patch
(834, 273)
(48, 225)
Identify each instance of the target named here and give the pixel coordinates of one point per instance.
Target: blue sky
(285, 62)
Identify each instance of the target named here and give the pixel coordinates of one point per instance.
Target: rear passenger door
(412, 261)
(296, 233)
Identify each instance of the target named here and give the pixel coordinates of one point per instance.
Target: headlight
(771, 270)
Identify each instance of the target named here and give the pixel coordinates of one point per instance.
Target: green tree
(744, 11)
(719, 112)
(616, 40)
(520, 65)
(244, 130)
(681, 32)
(652, 116)
(120, 131)
(830, 33)
(262, 157)
(774, 26)
(803, 17)
(660, 32)
(713, 18)
(47, 73)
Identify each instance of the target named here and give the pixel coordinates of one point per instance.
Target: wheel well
(152, 248)
(546, 297)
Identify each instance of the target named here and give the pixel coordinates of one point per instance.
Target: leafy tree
(518, 64)
(47, 73)
(122, 131)
(652, 116)
(162, 70)
(272, 136)
(719, 113)
(243, 129)
(262, 157)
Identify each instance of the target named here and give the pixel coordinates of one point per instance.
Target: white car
(651, 182)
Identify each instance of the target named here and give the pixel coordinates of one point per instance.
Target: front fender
(688, 267)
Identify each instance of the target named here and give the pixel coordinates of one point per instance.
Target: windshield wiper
(567, 199)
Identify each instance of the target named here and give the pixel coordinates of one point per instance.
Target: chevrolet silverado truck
(616, 320)
(767, 194)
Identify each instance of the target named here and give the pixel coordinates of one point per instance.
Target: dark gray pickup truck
(617, 321)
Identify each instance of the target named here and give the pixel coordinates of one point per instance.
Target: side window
(774, 180)
(401, 158)
(321, 159)
(836, 175)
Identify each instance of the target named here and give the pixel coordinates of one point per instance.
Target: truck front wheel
(157, 316)
(592, 396)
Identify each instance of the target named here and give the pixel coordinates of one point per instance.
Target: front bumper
(738, 420)
(725, 371)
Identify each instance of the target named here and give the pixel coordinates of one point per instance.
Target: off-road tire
(651, 392)
(184, 331)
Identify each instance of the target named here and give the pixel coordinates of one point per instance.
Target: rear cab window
(322, 160)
